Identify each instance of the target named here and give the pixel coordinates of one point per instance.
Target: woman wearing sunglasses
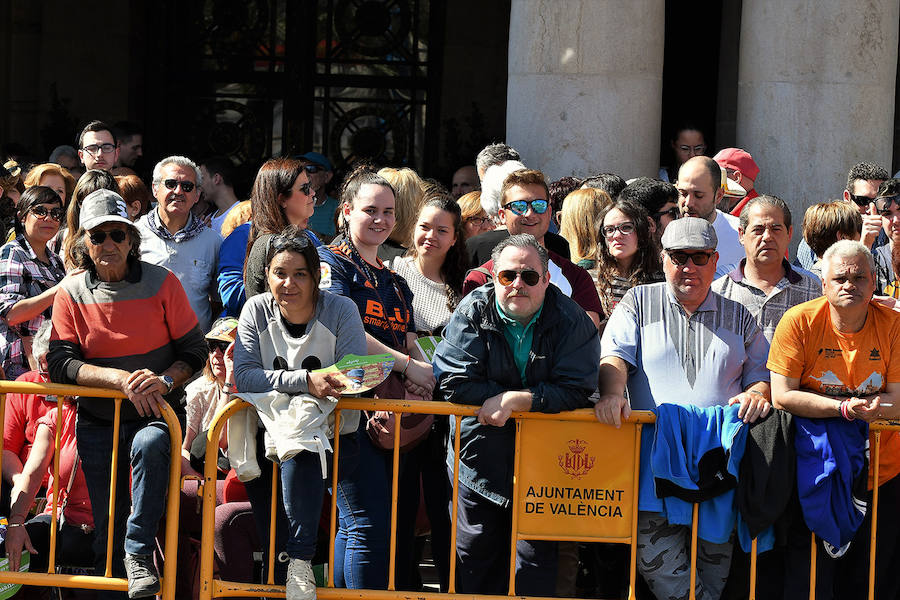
(29, 274)
(628, 254)
(207, 394)
(282, 195)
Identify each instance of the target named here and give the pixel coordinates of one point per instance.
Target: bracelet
(408, 360)
(845, 412)
(757, 392)
(227, 384)
(9, 525)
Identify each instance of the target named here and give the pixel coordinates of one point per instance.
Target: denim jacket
(474, 362)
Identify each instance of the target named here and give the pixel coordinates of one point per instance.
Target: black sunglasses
(883, 204)
(214, 345)
(43, 212)
(860, 200)
(98, 237)
(673, 213)
(698, 258)
(186, 186)
(312, 168)
(529, 276)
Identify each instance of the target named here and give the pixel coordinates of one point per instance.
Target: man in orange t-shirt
(839, 357)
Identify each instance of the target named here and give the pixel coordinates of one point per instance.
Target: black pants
(482, 549)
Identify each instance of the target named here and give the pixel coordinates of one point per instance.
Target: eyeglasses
(519, 207)
(214, 345)
(479, 220)
(883, 204)
(95, 149)
(695, 150)
(312, 168)
(186, 186)
(672, 213)
(529, 276)
(116, 235)
(860, 200)
(698, 258)
(623, 228)
(43, 212)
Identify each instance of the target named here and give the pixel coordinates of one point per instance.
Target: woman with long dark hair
(352, 269)
(436, 263)
(628, 254)
(282, 195)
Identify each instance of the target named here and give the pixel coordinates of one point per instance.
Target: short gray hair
(495, 154)
(766, 200)
(521, 240)
(492, 185)
(61, 151)
(847, 249)
(181, 161)
(40, 344)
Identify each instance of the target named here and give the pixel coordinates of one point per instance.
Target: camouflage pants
(664, 559)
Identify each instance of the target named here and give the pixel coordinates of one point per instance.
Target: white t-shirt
(729, 247)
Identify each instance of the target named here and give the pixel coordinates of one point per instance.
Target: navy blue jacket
(474, 362)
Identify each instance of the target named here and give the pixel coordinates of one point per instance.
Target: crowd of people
(673, 294)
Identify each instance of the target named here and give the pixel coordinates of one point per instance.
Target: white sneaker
(301, 583)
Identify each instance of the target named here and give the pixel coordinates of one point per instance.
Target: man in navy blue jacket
(515, 345)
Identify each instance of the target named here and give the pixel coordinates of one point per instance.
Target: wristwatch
(170, 383)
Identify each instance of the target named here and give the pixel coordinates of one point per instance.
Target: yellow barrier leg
(632, 577)
(111, 512)
(454, 506)
(54, 515)
(694, 520)
(753, 569)
(332, 526)
(395, 477)
(515, 510)
(173, 505)
(273, 506)
(812, 567)
(872, 554)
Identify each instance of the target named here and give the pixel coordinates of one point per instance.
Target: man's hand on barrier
(145, 390)
(867, 408)
(497, 409)
(322, 384)
(612, 409)
(754, 405)
(16, 539)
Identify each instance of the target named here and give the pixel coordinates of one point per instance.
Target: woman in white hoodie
(284, 335)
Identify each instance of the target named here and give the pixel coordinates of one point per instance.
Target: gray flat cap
(689, 233)
(102, 206)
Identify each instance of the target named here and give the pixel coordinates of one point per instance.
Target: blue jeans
(144, 449)
(362, 544)
(297, 513)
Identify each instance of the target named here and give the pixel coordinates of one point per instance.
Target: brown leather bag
(381, 425)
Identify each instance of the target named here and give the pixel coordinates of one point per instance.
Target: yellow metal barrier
(216, 588)
(105, 581)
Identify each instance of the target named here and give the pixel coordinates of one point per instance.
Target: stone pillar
(816, 93)
(585, 85)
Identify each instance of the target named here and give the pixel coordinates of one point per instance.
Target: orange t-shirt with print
(807, 347)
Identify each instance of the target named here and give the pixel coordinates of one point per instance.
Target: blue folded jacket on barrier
(832, 476)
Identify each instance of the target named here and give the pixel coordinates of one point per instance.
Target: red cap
(738, 160)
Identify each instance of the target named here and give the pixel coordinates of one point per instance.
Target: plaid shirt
(22, 276)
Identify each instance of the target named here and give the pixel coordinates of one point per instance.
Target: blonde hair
(580, 221)
(470, 205)
(37, 173)
(237, 216)
(409, 190)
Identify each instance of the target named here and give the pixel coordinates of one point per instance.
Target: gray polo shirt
(702, 360)
(794, 288)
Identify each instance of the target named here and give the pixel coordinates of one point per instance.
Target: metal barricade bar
(105, 582)
(213, 588)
